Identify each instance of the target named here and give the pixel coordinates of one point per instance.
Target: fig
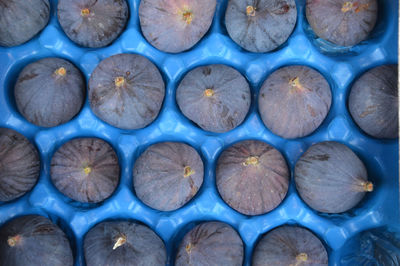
(123, 243)
(174, 26)
(85, 170)
(19, 165)
(215, 97)
(126, 91)
(378, 246)
(252, 177)
(167, 175)
(290, 245)
(342, 22)
(294, 101)
(92, 23)
(34, 240)
(373, 102)
(49, 92)
(21, 20)
(211, 243)
(331, 178)
(260, 25)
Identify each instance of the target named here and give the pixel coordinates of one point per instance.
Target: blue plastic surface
(339, 65)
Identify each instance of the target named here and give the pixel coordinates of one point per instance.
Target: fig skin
(252, 177)
(19, 165)
(126, 91)
(123, 243)
(211, 243)
(167, 175)
(92, 23)
(174, 26)
(260, 26)
(49, 92)
(290, 245)
(34, 240)
(215, 97)
(378, 246)
(294, 101)
(85, 170)
(21, 20)
(331, 178)
(342, 22)
(373, 102)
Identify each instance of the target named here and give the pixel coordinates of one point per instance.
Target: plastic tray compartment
(339, 66)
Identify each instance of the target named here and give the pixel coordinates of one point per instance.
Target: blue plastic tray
(340, 66)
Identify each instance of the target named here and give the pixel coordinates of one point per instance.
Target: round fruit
(85, 170)
(123, 243)
(167, 175)
(19, 165)
(174, 26)
(331, 178)
(21, 20)
(378, 246)
(126, 91)
(49, 92)
(34, 240)
(260, 26)
(211, 243)
(373, 102)
(342, 22)
(252, 177)
(290, 245)
(215, 97)
(92, 23)
(294, 101)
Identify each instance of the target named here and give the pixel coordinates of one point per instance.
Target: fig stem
(119, 81)
(120, 241)
(188, 248)
(252, 160)
(61, 71)
(368, 186)
(250, 11)
(300, 258)
(87, 170)
(295, 83)
(347, 6)
(85, 12)
(187, 16)
(208, 92)
(12, 241)
(187, 171)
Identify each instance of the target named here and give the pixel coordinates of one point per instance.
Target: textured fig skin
(373, 102)
(160, 179)
(40, 242)
(134, 104)
(263, 30)
(294, 108)
(103, 23)
(166, 27)
(342, 22)
(225, 109)
(282, 246)
(252, 187)
(48, 99)
(85, 170)
(141, 246)
(330, 177)
(21, 20)
(19, 165)
(211, 243)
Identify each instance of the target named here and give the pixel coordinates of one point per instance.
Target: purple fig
(252, 177)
